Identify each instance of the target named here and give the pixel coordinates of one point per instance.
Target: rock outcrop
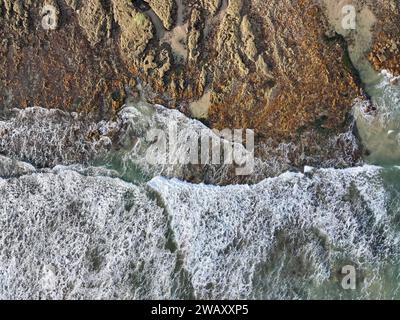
(385, 51)
(272, 65)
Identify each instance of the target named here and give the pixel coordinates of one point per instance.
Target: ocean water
(69, 236)
(69, 233)
(84, 215)
(379, 128)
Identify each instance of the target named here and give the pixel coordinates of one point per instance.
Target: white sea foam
(139, 120)
(12, 168)
(378, 121)
(80, 232)
(68, 236)
(286, 237)
(46, 138)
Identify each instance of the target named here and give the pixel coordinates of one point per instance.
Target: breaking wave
(84, 215)
(82, 235)
(286, 237)
(68, 236)
(46, 138)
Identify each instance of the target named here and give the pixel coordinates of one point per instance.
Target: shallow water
(379, 128)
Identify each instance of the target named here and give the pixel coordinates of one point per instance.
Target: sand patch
(199, 108)
(177, 39)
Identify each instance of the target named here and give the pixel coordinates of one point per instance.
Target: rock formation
(275, 66)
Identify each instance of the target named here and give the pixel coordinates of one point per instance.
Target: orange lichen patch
(385, 53)
(306, 81)
(59, 68)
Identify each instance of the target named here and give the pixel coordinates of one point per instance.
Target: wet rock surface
(385, 51)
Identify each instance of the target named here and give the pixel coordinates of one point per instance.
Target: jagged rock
(382, 45)
(136, 31)
(74, 4)
(92, 19)
(194, 36)
(163, 9)
(166, 63)
(211, 6)
(266, 65)
(248, 39)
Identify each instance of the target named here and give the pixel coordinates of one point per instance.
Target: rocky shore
(118, 182)
(279, 67)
